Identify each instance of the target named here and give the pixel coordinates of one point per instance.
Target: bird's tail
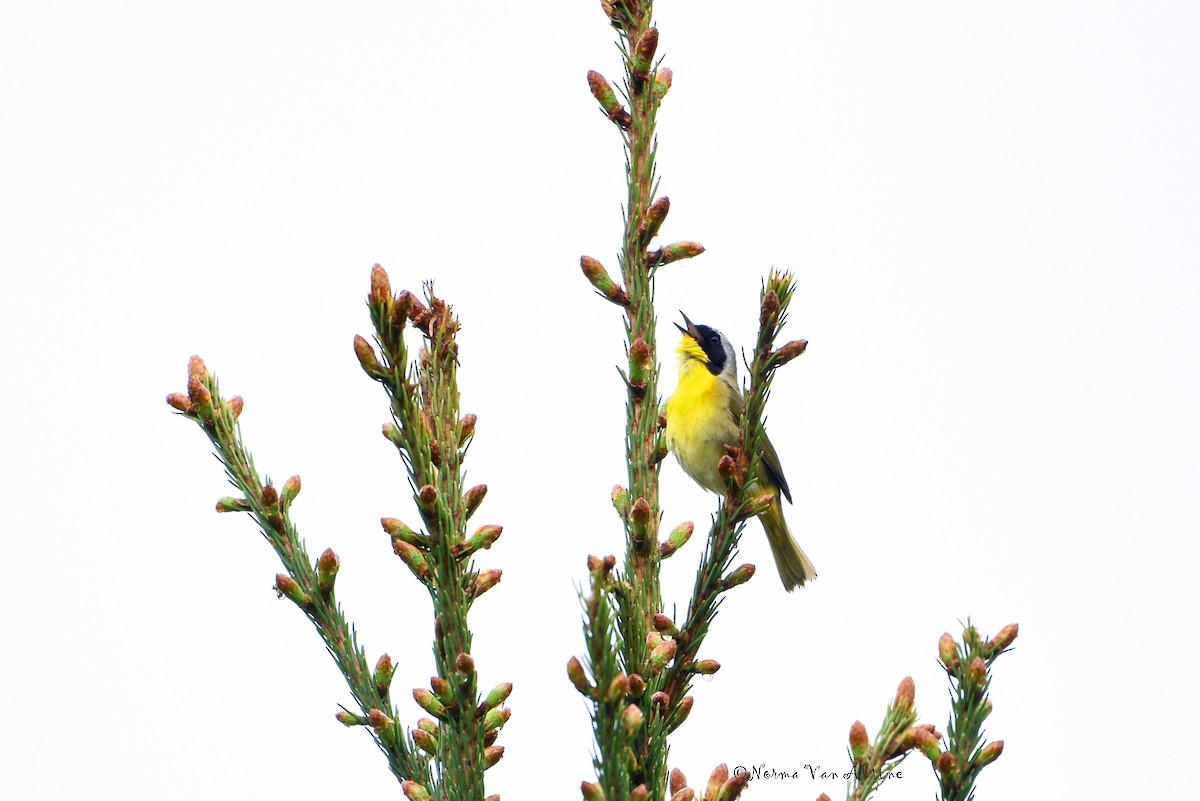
(794, 567)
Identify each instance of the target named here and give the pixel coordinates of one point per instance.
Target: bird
(704, 415)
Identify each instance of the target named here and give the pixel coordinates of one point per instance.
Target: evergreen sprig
(310, 586)
(432, 439)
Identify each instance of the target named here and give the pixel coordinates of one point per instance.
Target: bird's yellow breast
(699, 423)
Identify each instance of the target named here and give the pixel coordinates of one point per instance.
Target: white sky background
(992, 212)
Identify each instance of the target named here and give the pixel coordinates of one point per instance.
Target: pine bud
(676, 539)
(415, 792)
(491, 755)
(399, 531)
(498, 695)
(579, 678)
(270, 500)
(662, 81)
(989, 753)
(349, 719)
(605, 286)
(592, 791)
(199, 398)
(655, 215)
(291, 488)
(639, 519)
(485, 581)
(413, 558)
(608, 99)
(232, 505)
(664, 624)
(631, 719)
(496, 718)
(620, 501)
(929, 744)
(905, 693)
(427, 498)
(464, 664)
(947, 765)
(286, 585)
(860, 743)
(733, 787)
(706, 667)
(660, 699)
(381, 286)
(977, 672)
(637, 685)
(368, 360)
(425, 741)
(441, 688)
(739, 576)
(617, 688)
(719, 776)
(684, 794)
(676, 251)
(786, 353)
(384, 671)
(639, 793)
(948, 652)
(236, 404)
(681, 714)
(661, 655)
(180, 402)
(1003, 639)
(643, 53)
(472, 498)
(327, 570)
(466, 429)
(393, 433)
(197, 369)
(768, 311)
(677, 781)
(378, 720)
(971, 637)
(430, 702)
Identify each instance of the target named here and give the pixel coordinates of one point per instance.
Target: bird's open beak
(690, 331)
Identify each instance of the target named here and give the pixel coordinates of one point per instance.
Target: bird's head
(708, 346)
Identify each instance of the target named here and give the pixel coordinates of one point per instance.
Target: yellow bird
(703, 416)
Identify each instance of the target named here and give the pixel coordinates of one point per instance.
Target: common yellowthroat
(704, 415)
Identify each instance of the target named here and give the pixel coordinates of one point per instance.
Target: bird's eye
(716, 340)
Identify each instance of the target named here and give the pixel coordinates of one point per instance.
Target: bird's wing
(767, 456)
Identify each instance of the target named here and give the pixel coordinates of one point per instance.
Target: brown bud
(1003, 639)
(639, 793)
(733, 786)
(232, 505)
(739, 576)
(860, 743)
(684, 794)
(677, 781)
(378, 720)
(681, 714)
(236, 404)
(485, 581)
(620, 501)
(768, 310)
(466, 429)
(664, 624)
(286, 585)
(472, 498)
(662, 81)
(592, 791)
(608, 99)
(413, 558)
(605, 286)
(382, 677)
(643, 53)
(655, 215)
(180, 402)
(579, 678)
(631, 719)
(676, 251)
(660, 699)
(946, 764)
(719, 776)
(491, 755)
(706, 667)
(786, 353)
(415, 792)
(196, 369)
(425, 741)
(327, 570)
(637, 685)
(948, 651)
(349, 719)
(617, 688)
(989, 753)
(381, 287)
(465, 665)
(367, 359)
(977, 672)
(905, 693)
